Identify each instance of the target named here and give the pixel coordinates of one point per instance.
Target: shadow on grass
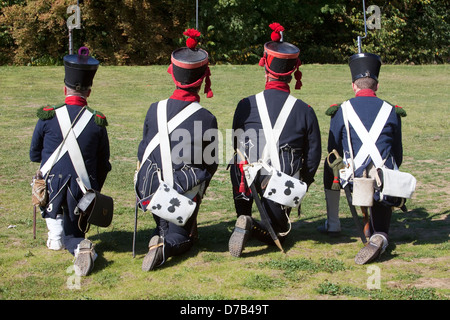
(416, 226)
(420, 227)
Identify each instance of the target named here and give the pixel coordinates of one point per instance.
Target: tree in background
(133, 32)
(36, 29)
(412, 31)
(117, 32)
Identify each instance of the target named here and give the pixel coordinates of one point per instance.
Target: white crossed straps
(368, 138)
(272, 135)
(162, 138)
(72, 133)
(164, 143)
(171, 125)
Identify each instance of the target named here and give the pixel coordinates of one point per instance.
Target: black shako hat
(364, 65)
(281, 58)
(80, 70)
(189, 65)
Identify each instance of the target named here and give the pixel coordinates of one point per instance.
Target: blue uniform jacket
(94, 145)
(367, 106)
(299, 142)
(196, 143)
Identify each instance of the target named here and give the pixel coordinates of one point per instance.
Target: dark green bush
(130, 32)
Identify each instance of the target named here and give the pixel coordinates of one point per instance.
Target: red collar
(278, 85)
(365, 93)
(75, 101)
(184, 95)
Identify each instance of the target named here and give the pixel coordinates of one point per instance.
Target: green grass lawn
(415, 266)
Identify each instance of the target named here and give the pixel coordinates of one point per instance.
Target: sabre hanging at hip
(262, 211)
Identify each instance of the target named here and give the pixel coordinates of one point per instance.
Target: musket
(336, 165)
(34, 209)
(73, 22)
(34, 222)
(135, 227)
(135, 212)
(365, 212)
(359, 228)
(365, 28)
(262, 211)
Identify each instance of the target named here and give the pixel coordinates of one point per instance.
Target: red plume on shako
(277, 30)
(190, 64)
(192, 41)
(281, 58)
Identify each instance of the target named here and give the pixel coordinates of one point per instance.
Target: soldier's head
(79, 70)
(365, 83)
(72, 92)
(189, 65)
(365, 69)
(280, 58)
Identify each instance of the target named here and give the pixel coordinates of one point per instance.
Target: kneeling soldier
(182, 161)
(65, 157)
(362, 153)
(295, 151)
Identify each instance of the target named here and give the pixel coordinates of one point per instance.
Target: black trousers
(177, 239)
(72, 233)
(243, 201)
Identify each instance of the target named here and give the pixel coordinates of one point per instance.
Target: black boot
(240, 235)
(155, 255)
(260, 233)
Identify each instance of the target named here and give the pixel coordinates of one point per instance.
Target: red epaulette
(99, 118)
(332, 109)
(47, 112)
(400, 111)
